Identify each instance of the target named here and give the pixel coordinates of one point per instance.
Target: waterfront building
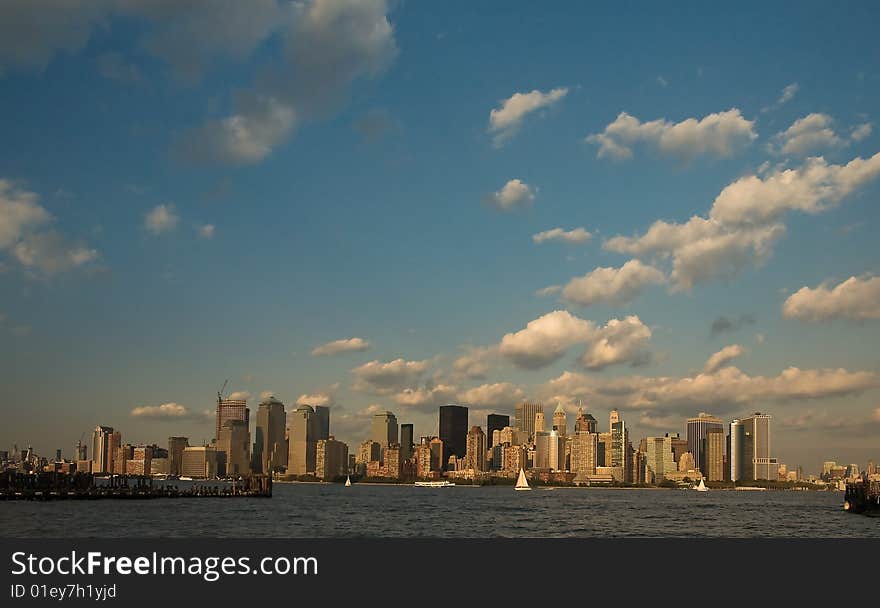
(81, 451)
(322, 421)
(159, 466)
(585, 423)
(679, 445)
(604, 450)
(619, 442)
(406, 442)
(383, 429)
(437, 454)
(124, 453)
(525, 417)
(735, 440)
(141, 461)
(369, 451)
(331, 458)
(686, 462)
(113, 443)
(475, 452)
(270, 448)
(514, 458)
(696, 433)
(423, 460)
(713, 449)
(199, 462)
(584, 454)
(101, 449)
(392, 465)
(659, 457)
(234, 445)
(756, 448)
(231, 409)
(512, 436)
(302, 441)
(176, 445)
(453, 430)
(495, 422)
(556, 457)
(559, 420)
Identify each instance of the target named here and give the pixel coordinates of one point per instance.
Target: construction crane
(222, 388)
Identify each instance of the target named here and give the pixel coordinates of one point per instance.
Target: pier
(86, 486)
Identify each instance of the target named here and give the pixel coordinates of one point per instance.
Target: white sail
(521, 482)
(347, 481)
(701, 487)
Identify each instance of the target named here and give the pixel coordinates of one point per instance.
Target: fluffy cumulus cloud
(507, 119)
(745, 220)
(314, 399)
(811, 133)
(856, 298)
(474, 362)
(612, 285)
(727, 389)
(718, 135)
(575, 236)
(512, 195)
(166, 411)
(428, 396)
(388, 377)
(497, 395)
(161, 219)
(722, 358)
(862, 131)
(240, 395)
(547, 338)
(336, 347)
(27, 236)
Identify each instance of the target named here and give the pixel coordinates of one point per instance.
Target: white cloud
(497, 395)
(573, 236)
(722, 358)
(25, 234)
(388, 377)
(811, 133)
(205, 231)
(161, 219)
(862, 131)
(513, 195)
(855, 298)
(788, 93)
(345, 345)
(718, 135)
(429, 396)
(315, 399)
(550, 290)
(240, 395)
(547, 338)
(168, 411)
(612, 285)
(474, 362)
(507, 119)
(745, 219)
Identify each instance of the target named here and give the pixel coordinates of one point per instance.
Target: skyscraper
(756, 448)
(176, 445)
(696, 433)
(453, 431)
(539, 422)
(231, 409)
(384, 429)
(735, 450)
(475, 457)
(619, 441)
(584, 454)
(322, 415)
(660, 457)
(585, 423)
(101, 449)
(302, 441)
(331, 458)
(559, 420)
(495, 422)
(525, 417)
(270, 448)
(713, 449)
(406, 441)
(234, 443)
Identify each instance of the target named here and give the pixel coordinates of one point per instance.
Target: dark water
(324, 510)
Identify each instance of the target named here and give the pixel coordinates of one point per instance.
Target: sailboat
(347, 481)
(521, 482)
(701, 487)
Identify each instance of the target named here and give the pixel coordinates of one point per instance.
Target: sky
(396, 205)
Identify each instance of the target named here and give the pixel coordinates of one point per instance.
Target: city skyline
(378, 206)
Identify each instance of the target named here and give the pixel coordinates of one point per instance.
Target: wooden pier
(85, 486)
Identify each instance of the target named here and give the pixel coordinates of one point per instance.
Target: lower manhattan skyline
(383, 207)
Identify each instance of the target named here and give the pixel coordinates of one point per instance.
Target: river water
(367, 510)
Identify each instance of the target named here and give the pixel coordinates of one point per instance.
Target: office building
(392, 464)
(140, 462)
(270, 447)
(231, 409)
(101, 449)
(659, 457)
(176, 446)
(540, 426)
(585, 423)
(303, 432)
(453, 431)
(679, 445)
(514, 458)
(584, 454)
(234, 445)
(735, 450)
(331, 459)
(559, 420)
(713, 449)
(406, 442)
(686, 462)
(495, 422)
(383, 429)
(199, 462)
(124, 453)
(322, 420)
(369, 451)
(696, 433)
(756, 448)
(525, 417)
(113, 443)
(475, 452)
(80, 451)
(619, 441)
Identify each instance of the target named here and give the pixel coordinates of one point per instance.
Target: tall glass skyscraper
(453, 431)
(696, 433)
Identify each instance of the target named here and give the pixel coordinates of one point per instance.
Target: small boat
(434, 484)
(701, 487)
(347, 481)
(522, 483)
(185, 478)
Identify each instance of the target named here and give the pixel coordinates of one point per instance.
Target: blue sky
(186, 198)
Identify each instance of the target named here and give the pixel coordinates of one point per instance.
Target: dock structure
(86, 486)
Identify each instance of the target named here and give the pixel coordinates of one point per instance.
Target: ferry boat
(862, 497)
(434, 484)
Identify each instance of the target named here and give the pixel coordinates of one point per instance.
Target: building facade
(453, 430)
(696, 434)
(270, 447)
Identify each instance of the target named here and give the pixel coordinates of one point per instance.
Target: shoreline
(551, 487)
